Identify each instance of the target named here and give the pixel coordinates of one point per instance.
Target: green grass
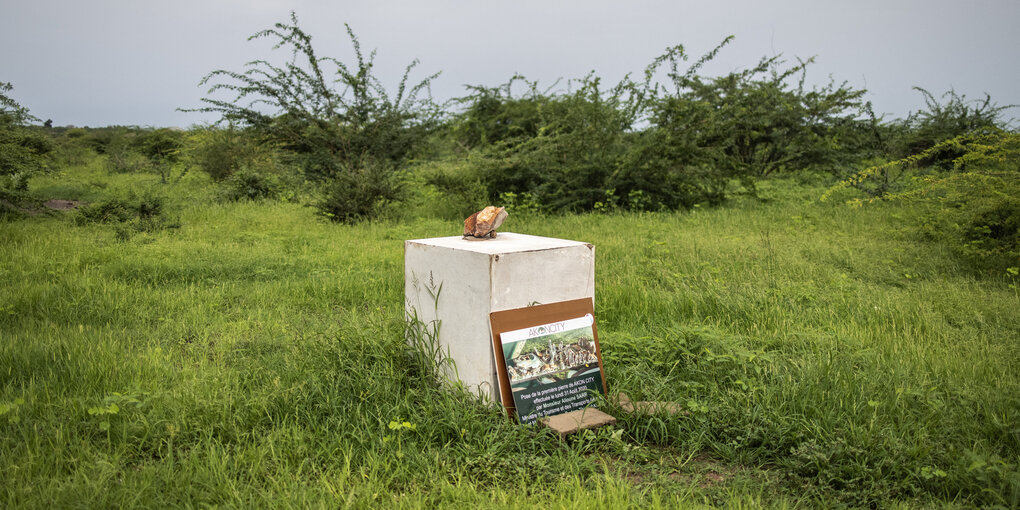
(255, 356)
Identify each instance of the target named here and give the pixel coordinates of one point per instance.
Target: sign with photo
(547, 367)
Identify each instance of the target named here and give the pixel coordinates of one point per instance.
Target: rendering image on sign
(552, 368)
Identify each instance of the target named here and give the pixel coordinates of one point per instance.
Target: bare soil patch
(61, 205)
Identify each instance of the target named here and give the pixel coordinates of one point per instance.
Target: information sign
(548, 358)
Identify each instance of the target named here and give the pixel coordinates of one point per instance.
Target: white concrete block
(479, 276)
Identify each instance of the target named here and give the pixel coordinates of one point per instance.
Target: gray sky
(102, 62)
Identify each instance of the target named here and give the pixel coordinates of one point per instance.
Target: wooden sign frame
(532, 316)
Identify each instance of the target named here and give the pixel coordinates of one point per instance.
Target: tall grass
(256, 357)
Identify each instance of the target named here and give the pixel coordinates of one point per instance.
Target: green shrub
(163, 147)
(128, 215)
(493, 115)
(563, 150)
(923, 132)
(334, 118)
(448, 188)
(162, 144)
(251, 185)
(938, 121)
(120, 145)
(113, 210)
(14, 195)
(72, 150)
(13, 184)
(220, 152)
(642, 146)
(133, 149)
(974, 206)
(98, 139)
(519, 204)
(23, 150)
(746, 125)
(358, 192)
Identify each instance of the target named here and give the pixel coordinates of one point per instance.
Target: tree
(334, 115)
(22, 151)
(752, 123)
(337, 121)
(941, 120)
(12, 113)
(560, 149)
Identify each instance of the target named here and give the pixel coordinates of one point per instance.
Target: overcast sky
(103, 62)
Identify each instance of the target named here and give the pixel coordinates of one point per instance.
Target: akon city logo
(545, 330)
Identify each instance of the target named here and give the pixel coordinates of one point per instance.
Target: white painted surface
(479, 276)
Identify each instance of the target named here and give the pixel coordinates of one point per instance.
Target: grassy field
(254, 355)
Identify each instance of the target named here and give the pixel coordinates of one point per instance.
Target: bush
(220, 152)
(493, 115)
(23, 150)
(562, 150)
(923, 133)
(953, 116)
(122, 147)
(358, 192)
(134, 149)
(13, 195)
(160, 145)
(128, 215)
(122, 158)
(71, 149)
(647, 146)
(98, 139)
(974, 206)
(251, 185)
(336, 119)
(745, 125)
(449, 188)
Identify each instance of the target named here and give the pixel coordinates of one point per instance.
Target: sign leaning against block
(548, 357)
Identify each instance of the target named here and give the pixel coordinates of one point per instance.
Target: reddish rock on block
(485, 222)
(574, 421)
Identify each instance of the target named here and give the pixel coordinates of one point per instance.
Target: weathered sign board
(548, 358)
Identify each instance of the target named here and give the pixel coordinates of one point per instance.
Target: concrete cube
(474, 277)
